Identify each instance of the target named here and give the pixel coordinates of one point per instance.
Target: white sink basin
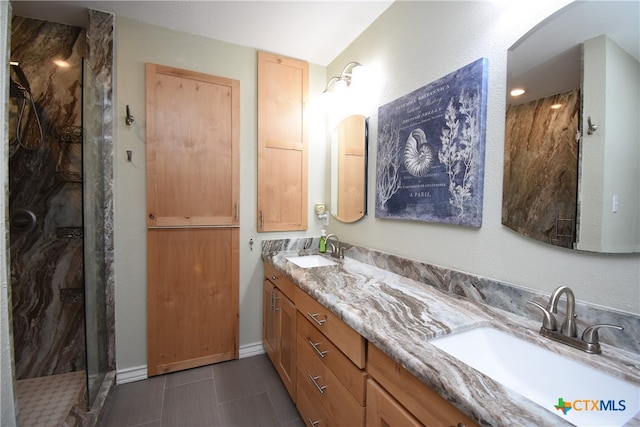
(545, 377)
(308, 261)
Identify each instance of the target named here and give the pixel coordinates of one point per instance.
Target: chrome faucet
(568, 333)
(336, 249)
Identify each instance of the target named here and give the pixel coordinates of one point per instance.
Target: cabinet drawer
(325, 389)
(280, 280)
(312, 415)
(315, 344)
(346, 339)
(419, 399)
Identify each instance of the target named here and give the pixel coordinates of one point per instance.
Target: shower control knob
(23, 220)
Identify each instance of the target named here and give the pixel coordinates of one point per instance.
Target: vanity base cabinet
(279, 326)
(422, 402)
(328, 353)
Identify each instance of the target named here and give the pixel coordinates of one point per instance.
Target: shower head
(22, 78)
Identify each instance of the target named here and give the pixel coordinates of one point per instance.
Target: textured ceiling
(315, 31)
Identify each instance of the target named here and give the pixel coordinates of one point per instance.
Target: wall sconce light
(343, 95)
(346, 77)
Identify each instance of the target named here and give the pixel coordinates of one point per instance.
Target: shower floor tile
(46, 401)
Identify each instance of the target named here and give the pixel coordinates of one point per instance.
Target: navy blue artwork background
(411, 180)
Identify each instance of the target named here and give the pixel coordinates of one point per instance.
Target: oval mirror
(349, 169)
(572, 140)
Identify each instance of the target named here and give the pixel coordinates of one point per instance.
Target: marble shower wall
(541, 169)
(100, 58)
(47, 261)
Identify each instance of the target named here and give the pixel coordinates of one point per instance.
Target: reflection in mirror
(349, 169)
(572, 140)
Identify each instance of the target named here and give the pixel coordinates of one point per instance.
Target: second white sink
(308, 261)
(546, 378)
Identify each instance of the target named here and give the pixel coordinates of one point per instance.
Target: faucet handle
(590, 335)
(549, 320)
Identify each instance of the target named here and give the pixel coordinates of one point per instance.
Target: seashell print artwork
(430, 158)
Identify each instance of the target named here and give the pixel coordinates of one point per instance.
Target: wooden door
(192, 219)
(283, 85)
(286, 324)
(269, 338)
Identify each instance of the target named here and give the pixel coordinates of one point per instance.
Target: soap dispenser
(323, 241)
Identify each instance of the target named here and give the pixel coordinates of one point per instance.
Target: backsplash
(505, 296)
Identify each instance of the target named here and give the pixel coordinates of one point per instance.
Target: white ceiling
(315, 31)
(553, 48)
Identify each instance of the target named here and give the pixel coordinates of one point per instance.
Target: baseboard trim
(250, 350)
(139, 373)
(130, 375)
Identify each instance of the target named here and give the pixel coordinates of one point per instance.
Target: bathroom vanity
(363, 356)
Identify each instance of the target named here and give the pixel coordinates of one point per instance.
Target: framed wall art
(431, 143)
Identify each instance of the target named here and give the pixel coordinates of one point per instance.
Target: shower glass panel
(93, 96)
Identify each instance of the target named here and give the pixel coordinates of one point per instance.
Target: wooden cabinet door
(384, 411)
(192, 219)
(192, 148)
(286, 323)
(192, 298)
(282, 143)
(269, 333)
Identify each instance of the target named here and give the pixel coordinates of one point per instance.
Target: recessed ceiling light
(517, 92)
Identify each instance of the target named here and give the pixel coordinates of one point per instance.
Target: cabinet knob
(314, 423)
(274, 277)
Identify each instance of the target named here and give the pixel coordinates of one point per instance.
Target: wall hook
(592, 126)
(129, 119)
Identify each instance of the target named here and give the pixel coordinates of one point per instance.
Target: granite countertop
(400, 316)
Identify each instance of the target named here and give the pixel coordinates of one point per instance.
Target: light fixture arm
(345, 75)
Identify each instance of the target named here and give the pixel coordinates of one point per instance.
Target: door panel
(192, 296)
(192, 156)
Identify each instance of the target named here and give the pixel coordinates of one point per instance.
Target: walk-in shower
(57, 208)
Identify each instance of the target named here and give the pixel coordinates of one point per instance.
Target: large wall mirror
(349, 144)
(572, 140)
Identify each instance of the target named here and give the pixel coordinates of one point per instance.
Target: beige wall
(415, 43)
(137, 44)
(410, 45)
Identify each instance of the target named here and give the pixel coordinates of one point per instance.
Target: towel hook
(129, 119)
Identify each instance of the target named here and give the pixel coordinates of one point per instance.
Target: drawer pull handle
(313, 423)
(315, 347)
(315, 318)
(320, 388)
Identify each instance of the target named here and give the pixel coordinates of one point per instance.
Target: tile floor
(244, 392)
(46, 401)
